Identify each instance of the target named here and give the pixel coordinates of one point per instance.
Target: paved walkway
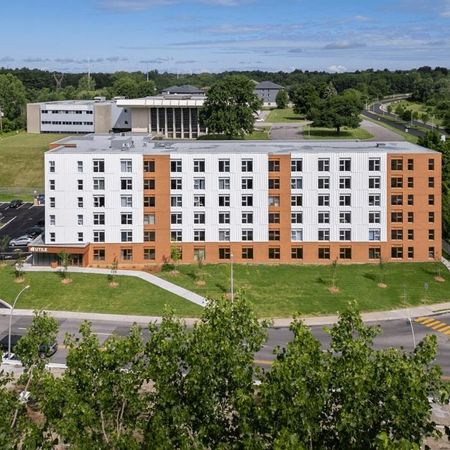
(380, 133)
(163, 284)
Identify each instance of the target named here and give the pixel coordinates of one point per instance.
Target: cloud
(362, 18)
(36, 60)
(295, 50)
(156, 60)
(116, 58)
(143, 5)
(7, 59)
(186, 61)
(64, 60)
(336, 68)
(343, 45)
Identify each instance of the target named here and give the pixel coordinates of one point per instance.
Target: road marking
(436, 325)
(7, 223)
(266, 362)
(424, 320)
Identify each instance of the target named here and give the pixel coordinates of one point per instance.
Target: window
(52, 185)
(199, 235)
(345, 235)
(99, 201)
(176, 165)
(149, 184)
(397, 235)
(126, 165)
(274, 235)
(410, 164)
(296, 217)
(80, 220)
(199, 183)
(296, 165)
(99, 254)
(410, 199)
(274, 253)
(431, 164)
(396, 199)
(176, 235)
(396, 164)
(149, 201)
(247, 252)
(224, 183)
(52, 237)
(126, 219)
(431, 253)
(410, 217)
(99, 165)
(374, 164)
(324, 217)
(374, 234)
(374, 252)
(176, 184)
(410, 182)
(274, 183)
(323, 183)
(149, 166)
(247, 165)
(80, 185)
(80, 166)
(345, 183)
(345, 217)
(411, 235)
(199, 200)
(149, 236)
(126, 236)
(396, 217)
(296, 200)
(324, 252)
(224, 253)
(431, 235)
(324, 200)
(247, 217)
(176, 218)
(224, 234)
(274, 165)
(297, 252)
(345, 200)
(199, 165)
(345, 253)
(410, 252)
(149, 254)
(149, 219)
(52, 219)
(224, 165)
(80, 202)
(126, 254)
(431, 199)
(247, 200)
(99, 236)
(224, 200)
(52, 202)
(99, 184)
(374, 200)
(126, 201)
(199, 217)
(374, 182)
(247, 235)
(431, 182)
(397, 252)
(126, 184)
(345, 164)
(274, 217)
(324, 165)
(324, 234)
(431, 217)
(274, 200)
(176, 201)
(296, 183)
(247, 183)
(51, 166)
(296, 234)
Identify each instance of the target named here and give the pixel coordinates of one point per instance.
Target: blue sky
(215, 35)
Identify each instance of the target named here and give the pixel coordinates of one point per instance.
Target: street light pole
(412, 331)
(232, 280)
(10, 320)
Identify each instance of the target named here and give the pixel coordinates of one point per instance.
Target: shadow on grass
(329, 133)
(221, 287)
(370, 276)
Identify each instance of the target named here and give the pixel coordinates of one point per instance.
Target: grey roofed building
(183, 90)
(267, 92)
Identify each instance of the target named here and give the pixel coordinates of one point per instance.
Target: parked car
(46, 350)
(41, 199)
(21, 241)
(15, 203)
(35, 231)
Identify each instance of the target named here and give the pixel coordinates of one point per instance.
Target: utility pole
(1, 120)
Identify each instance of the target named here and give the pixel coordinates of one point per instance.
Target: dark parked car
(41, 199)
(35, 231)
(15, 203)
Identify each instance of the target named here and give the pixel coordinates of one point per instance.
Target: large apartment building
(131, 199)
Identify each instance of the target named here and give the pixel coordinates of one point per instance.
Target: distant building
(186, 89)
(171, 116)
(77, 116)
(267, 92)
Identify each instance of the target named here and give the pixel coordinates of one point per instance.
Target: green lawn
(418, 107)
(281, 291)
(91, 293)
(329, 133)
(283, 116)
(22, 166)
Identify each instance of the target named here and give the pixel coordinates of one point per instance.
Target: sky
(184, 36)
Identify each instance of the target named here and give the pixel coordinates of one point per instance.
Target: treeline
(200, 389)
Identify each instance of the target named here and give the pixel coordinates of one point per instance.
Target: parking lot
(17, 221)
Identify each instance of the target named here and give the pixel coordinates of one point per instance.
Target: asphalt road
(398, 126)
(396, 333)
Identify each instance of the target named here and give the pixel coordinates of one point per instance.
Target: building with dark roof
(186, 89)
(267, 92)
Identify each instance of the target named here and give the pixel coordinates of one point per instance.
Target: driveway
(286, 132)
(380, 133)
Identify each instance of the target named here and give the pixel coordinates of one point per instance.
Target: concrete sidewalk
(152, 279)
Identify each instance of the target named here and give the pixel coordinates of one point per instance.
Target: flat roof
(142, 143)
(74, 102)
(164, 100)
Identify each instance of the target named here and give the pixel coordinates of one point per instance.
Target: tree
(18, 267)
(12, 101)
(282, 99)
(86, 83)
(175, 254)
(230, 107)
(65, 259)
(304, 97)
(125, 86)
(146, 88)
(336, 112)
(4, 243)
(113, 273)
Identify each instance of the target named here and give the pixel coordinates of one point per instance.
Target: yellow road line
(266, 362)
(424, 320)
(443, 330)
(440, 327)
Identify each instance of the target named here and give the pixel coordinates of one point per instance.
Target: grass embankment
(92, 293)
(419, 108)
(331, 133)
(284, 115)
(281, 291)
(22, 167)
